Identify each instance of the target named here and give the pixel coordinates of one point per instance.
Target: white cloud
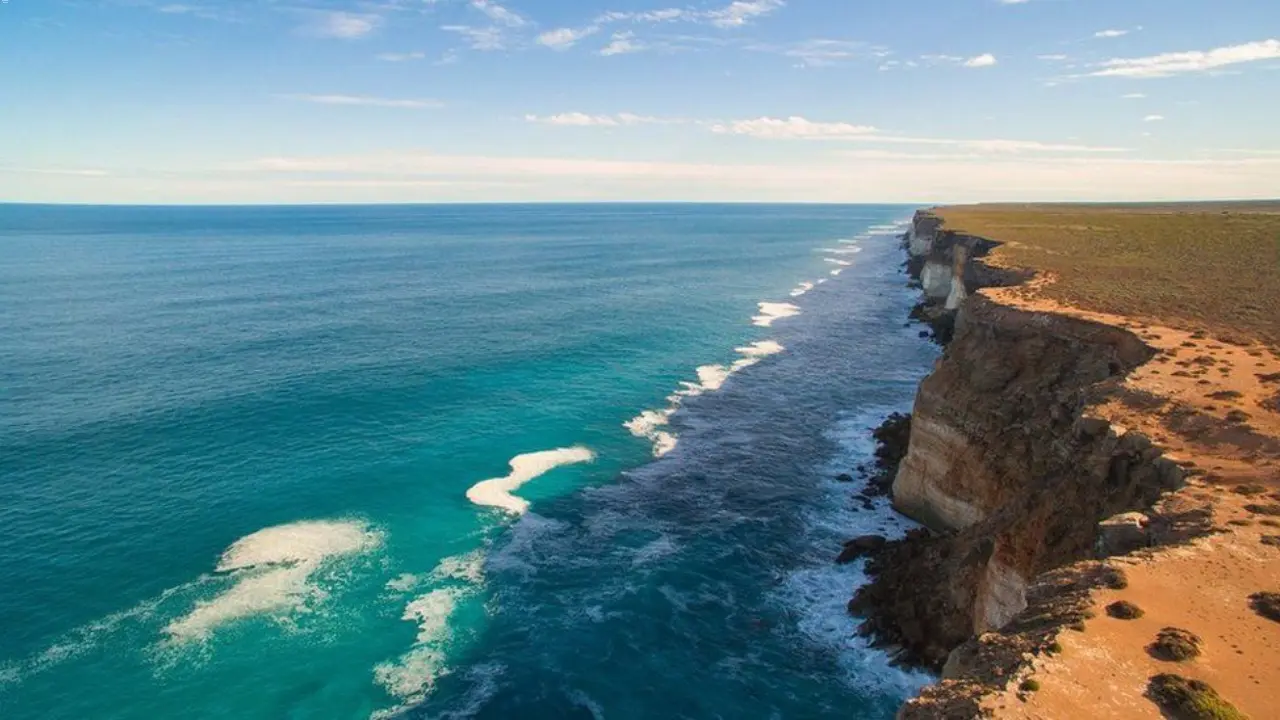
(1195, 61)
(344, 25)
(790, 128)
(565, 38)
(70, 172)
(1053, 58)
(408, 176)
(740, 12)
(401, 57)
(820, 52)
(1153, 118)
(622, 43)
(359, 100)
(841, 178)
(978, 61)
(1110, 33)
(577, 119)
(800, 128)
(479, 38)
(498, 13)
(1133, 96)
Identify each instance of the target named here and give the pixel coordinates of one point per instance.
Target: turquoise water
(237, 445)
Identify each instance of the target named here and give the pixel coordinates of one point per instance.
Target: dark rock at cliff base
(891, 446)
(844, 478)
(859, 547)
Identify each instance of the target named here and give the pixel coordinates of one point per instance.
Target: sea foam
(801, 289)
(653, 425)
(411, 676)
(497, 492)
(271, 573)
(772, 311)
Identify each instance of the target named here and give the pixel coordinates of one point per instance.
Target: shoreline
(985, 597)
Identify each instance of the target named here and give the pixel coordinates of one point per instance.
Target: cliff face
(1002, 464)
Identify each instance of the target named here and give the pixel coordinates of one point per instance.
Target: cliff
(1062, 456)
(1003, 463)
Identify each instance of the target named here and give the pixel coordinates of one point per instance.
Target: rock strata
(1003, 463)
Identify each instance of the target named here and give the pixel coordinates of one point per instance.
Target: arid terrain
(1200, 285)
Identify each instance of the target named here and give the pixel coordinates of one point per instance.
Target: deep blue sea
(542, 461)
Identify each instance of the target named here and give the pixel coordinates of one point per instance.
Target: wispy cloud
(343, 25)
(401, 57)
(622, 43)
(70, 172)
(791, 128)
(565, 38)
(479, 38)
(1196, 61)
(361, 100)
(578, 119)
(499, 14)
(977, 61)
(740, 12)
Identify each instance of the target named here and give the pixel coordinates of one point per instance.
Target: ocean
(490, 461)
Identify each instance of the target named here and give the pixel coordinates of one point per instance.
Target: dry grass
(1211, 266)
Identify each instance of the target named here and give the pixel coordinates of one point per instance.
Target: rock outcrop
(1003, 464)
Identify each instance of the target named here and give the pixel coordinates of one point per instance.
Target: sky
(300, 101)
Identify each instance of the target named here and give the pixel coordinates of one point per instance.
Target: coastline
(1044, 482)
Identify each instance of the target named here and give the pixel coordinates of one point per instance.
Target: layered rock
(1002, 465)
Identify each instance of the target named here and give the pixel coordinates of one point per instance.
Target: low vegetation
(1208, 265)
(1266, 604)
(1184, 699)
(1124, 610)
(1175, 645)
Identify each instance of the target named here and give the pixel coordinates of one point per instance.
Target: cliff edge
(1051, 457)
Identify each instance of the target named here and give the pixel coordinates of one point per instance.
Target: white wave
(271, 573)
(845, 250)
(771, 312)
(655, 550)
(468, 568)
(855, 240)
(414, 673)
(496, 492)
(822, 281)
(403, 583)
(801, 289)
(583, 700)
(411, 676)
(837, 272)
(819, 590)
(653, 425)
(841, 263)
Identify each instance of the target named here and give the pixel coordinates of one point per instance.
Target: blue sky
(747, 100)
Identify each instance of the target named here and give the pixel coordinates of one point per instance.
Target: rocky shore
(1025, 488)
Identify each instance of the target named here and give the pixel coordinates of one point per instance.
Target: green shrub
(1124, 610)
(1175, 645)
(1185, 699)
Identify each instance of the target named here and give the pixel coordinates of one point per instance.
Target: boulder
(1122, 534)
(859, 547)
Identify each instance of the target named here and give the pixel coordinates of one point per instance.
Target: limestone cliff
(1002, 465)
